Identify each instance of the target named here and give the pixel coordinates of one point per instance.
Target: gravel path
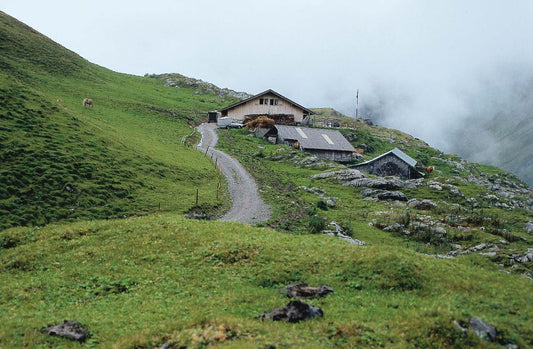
(248, 207)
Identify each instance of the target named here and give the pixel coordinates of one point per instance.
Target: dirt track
(248, 206)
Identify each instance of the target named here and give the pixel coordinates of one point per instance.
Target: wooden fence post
(196, 196)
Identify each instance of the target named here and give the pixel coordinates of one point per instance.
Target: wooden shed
(392, 163)
(268, 103)
(328, 144)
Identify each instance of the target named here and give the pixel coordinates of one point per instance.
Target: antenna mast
(357, 104)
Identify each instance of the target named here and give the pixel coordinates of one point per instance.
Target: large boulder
(295, 311)
(68, 329)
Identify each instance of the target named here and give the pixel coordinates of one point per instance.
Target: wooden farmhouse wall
(263, 106)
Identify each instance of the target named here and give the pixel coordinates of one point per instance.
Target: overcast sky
(416, 62)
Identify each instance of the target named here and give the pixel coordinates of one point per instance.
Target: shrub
(322, 205)
(316, 224)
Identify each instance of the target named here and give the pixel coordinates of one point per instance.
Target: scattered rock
(339, 232)
(68, 329)
(368, 192)
(477, 248)
(343, 175)
(330, 202)
(482, 329)
(435, 186)
(303, 290)
(198, 216)
(421, 205)
(439, 230)
(379, 183)
(391, 195)
(396, 227)
(295, 311)
(528, 227)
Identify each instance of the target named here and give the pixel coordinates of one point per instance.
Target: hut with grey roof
(392, 163)
(328, 144)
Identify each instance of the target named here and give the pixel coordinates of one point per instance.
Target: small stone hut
(392, 163)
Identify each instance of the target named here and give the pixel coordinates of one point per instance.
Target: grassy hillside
(156, 278)
(474, 204)
(141, 282)
(130, 154)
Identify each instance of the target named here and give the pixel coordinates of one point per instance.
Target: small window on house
(274, 102)
(261, 101)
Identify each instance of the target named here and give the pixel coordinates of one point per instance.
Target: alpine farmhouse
(268, 103)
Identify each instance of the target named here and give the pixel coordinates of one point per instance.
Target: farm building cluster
(290, 120)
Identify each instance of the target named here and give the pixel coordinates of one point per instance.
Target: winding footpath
(248, 206)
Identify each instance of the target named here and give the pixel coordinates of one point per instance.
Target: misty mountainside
(501, 136)
(93, 225)
(490, 122)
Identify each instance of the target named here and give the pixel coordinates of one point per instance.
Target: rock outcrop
(295, 311)
(68, 329)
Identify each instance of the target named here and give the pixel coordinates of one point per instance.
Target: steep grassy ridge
(130, 154)
(144, 281)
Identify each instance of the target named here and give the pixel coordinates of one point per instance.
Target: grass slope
(130, 154)
(141, 282)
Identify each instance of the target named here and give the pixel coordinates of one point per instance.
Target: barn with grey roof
(329, 144)
(393, 163)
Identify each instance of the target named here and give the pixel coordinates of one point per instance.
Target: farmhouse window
(274, 102)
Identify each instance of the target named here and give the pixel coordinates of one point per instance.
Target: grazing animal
(88, 102)
(430, 169)
(59, 100)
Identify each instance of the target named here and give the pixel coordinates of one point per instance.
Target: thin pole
(357, 104)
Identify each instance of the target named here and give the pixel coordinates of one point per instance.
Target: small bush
(9, 241)
(316, 224)
(322, 205)
(347, 227)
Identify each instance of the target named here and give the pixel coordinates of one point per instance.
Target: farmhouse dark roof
(398, 153)
(315, 138)
(269, 91)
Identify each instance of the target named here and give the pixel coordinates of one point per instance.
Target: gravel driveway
(248, 206)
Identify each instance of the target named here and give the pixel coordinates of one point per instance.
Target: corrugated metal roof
(315, 138)
(398, 153)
